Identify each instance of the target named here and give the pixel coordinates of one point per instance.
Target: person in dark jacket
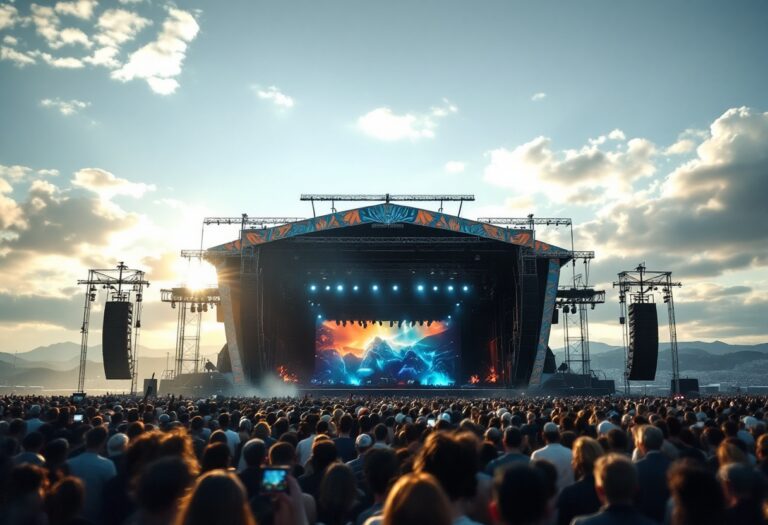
(652, 473)
(616, 484)
(581, 498)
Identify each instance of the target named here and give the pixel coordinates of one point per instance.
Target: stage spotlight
(420, 287)
(173, 304)
(344, 322)
(192, 308)
(365, 324)
(355, 287)
(339, 287)
(379, 323)
(412, 323)
(399, 324)
(450, 287)
(573, 309)
(435, 288)
(327, 287)
(337, 322)
(429, 323)
(465, 288)
(205, 307)
(375, 287)
(313, 288)
(421, 322)
(395, 287)
(391, 324)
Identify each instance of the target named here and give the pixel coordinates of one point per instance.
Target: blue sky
(645, 122)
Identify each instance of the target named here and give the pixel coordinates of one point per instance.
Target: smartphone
(78, 418)
(430, 422)
(274, 479)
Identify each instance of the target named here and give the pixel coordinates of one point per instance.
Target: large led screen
(383, 355)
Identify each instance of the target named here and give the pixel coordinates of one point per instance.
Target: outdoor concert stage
(386, 298)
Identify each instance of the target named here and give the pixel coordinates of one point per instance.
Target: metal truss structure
(192, 303)
(572, 300)
(385, 197)
(642, 285)
(122, 284)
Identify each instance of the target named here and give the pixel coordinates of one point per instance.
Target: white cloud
(681, 147)
(71, 35)
(160, 61)
(383, 124)
(10, 40)
(454, 166)
(274, 95)
(14, 173)
(61, 62)
(107, 185)
(118, 26)
(708, 216)
(65, 107)
(46, 23)
(78, 8)
(104, 56)
(9, 15)
(19, 58)
(579, 176)
(538, 96)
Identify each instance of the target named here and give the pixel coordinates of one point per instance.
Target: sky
(124, 123)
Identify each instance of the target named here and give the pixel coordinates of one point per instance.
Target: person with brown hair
(218, 498)
(455, 467)
(417, 499)
(697, 498)
(337, 495)
(65, 502)
(616, 485)
(581, 498)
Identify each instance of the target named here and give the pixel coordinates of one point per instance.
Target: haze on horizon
(125, 122)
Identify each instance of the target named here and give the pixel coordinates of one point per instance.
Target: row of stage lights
(392, 323)
(394, 288)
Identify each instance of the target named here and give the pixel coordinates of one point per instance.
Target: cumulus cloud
(709, 213)
(78, 8)
(19, 58)
(454, 166)
(160, 61)
(275, 96)
(61, 62)
(579, 176)
(538, 96)
(384, 124)
(9, 15)
(65, 107)
(107, 185)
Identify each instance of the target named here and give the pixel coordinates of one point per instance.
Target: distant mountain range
(55, 366)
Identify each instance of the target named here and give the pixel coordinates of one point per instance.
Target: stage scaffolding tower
(122, 284)
(642, 285)
(573, 300)
(191, 303)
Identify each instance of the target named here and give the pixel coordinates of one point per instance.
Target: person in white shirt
(556, 454)
(233, 438)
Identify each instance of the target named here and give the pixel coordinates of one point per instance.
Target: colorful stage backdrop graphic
(380, 355)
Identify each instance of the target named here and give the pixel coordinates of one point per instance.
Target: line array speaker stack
(116, 339)
(643, 341)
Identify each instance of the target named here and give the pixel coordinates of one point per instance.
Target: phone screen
(430, 422)
(274, 479)
(78, 418)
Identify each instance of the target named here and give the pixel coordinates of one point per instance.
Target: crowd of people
(116, 460)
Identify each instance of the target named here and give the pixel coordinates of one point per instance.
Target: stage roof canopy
(389, 214)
